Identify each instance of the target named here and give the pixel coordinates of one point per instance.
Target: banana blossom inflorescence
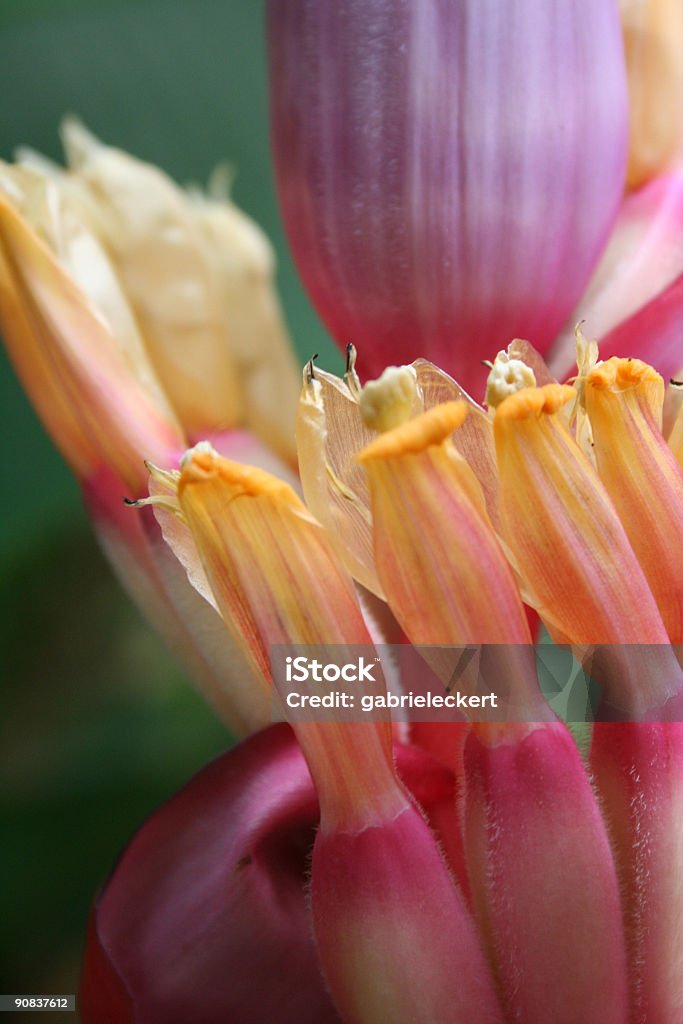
(457, 867)
(367, 871)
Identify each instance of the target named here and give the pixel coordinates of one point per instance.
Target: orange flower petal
(443, 571)
(276, 580)
(624, 400)
(563, 530)
(436, 553)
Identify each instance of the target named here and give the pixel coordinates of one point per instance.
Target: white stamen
(390, 400)
(507, 376)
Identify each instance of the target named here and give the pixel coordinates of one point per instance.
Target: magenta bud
(448, 172)
(205, 916)
(638, 769)
(395, 940)
(543, 877)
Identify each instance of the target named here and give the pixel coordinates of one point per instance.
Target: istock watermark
(303, 669)
(403, 683)
(474, 682)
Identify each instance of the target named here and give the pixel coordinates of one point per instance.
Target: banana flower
(365, 871)
(488, 913)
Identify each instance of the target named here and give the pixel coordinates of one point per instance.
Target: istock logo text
(300, 670)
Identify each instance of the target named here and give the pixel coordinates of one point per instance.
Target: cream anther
(390, 400)
(507, 376)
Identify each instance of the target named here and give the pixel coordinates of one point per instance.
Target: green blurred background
(98, 724)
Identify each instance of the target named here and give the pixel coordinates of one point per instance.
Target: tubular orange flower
(109, 407)
(624, 400)
(427, 508)
(572, 549)
(562, 528)
(441, 567)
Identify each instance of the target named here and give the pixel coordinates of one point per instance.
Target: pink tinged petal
(638, 769)
(624, 400)
(655, 332)
(643, 257)
(474, 438)
(562, 528)
(237, 445)
(543, 877)
(420, 222)
(265, 558)
(275, 580)
(176, 598)
(394, 937)
(205, 917)
(443, 570)
(572, 551)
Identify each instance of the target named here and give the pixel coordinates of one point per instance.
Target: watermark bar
(474, 682)
(37, 1003)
